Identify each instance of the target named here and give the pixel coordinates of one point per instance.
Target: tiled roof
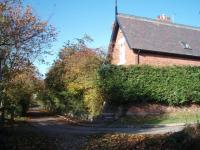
(156, 36)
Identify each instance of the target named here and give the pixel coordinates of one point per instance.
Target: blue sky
(74, 18)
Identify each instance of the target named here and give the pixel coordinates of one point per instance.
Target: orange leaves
(24, 35)
(120, 142)
(75, 73)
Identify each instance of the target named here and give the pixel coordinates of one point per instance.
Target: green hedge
(169, 85)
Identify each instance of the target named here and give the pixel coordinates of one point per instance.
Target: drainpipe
(138, 57)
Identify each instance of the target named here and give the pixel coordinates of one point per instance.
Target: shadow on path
(43, 128)
(52, 124)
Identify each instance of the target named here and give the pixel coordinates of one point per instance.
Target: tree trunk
(12, 116)
(3, 115)
(23, 113)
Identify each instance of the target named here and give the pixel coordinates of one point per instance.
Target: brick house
(158, 42)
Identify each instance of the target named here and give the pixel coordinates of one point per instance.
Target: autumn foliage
(23, 41)
(71, 84)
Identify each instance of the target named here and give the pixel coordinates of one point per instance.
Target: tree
(24, 39)
(72, 80)
(20, 91)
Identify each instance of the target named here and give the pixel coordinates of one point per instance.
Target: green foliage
(168, 85)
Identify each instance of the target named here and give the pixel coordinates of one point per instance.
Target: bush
(168, 85)
(72, 82)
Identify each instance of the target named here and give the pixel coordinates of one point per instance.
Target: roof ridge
(156, 21)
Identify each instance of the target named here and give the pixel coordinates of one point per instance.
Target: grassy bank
(168, 118)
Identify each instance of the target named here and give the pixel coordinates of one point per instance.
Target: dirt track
(57, 132)
(57, 125)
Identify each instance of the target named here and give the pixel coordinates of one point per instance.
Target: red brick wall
(149, 59)
(161, 60)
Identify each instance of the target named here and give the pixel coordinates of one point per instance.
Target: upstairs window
(185, 45)
(122, 51)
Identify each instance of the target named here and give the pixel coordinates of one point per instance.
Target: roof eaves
(167, 53)
(126, 38)
(113, 37)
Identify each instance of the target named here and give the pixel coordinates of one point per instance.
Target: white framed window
(122, 51)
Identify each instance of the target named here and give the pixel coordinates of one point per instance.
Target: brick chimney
(164, 18)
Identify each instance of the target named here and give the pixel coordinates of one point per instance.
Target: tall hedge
(169, 85)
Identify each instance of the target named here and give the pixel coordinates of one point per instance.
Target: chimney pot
(164, 18)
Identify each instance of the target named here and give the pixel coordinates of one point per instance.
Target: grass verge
(168, 118)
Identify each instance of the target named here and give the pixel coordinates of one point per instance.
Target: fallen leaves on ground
(184, 140)
(25, 137)
(12, 138)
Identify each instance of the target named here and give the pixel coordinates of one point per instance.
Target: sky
(74, 18)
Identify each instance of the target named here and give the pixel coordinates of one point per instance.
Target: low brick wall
(156, 109)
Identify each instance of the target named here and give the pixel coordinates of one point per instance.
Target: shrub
(169, 85)
(72, 81)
